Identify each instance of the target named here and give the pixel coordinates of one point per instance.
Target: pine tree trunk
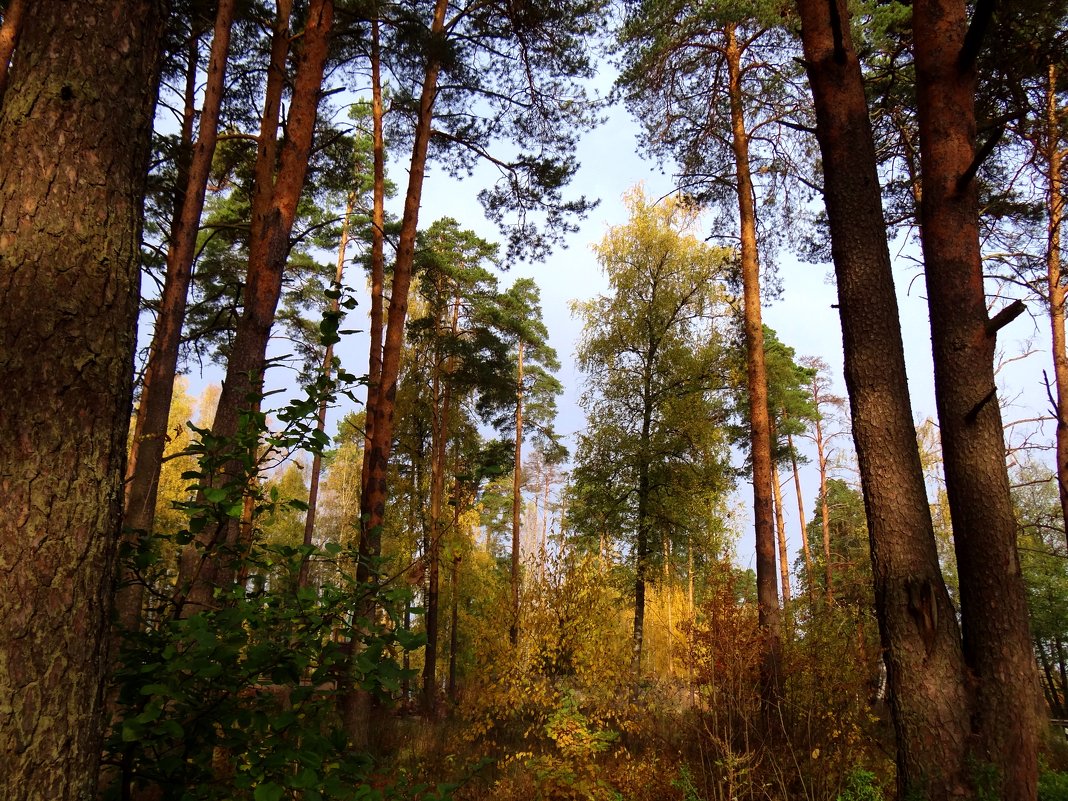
(378, 258)
(381, 406)
(997, 643)
(1053, 156)
(780, 536)
(769, 614)
(153, 411)
(517, 480)
(273, 213)
(74, 145)
(441, 389)
(918, 625)
(800, 513)
(9, 39)
(825, 517)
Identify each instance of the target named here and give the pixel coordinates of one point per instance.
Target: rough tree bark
(994, 618)
(74, 145)
(916, 619)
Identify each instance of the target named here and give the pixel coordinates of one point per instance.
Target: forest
(292, 500)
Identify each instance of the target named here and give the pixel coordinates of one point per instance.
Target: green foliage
(1052, 785)
(861, 785)
(240, 701)
(570, 772)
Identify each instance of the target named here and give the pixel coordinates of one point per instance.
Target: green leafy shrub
(240, 701)
(1052, 785)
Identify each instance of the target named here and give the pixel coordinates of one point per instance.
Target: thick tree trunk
(153, 411)
(212, 564)
(918, 624)
(380, 407)
(9, 39)
(769, 614)
(74, 146)
(997, 643)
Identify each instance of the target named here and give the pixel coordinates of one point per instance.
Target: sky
(803, 315)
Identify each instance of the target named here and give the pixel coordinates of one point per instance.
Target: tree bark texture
(153, 411)
(74, 144)
(210, 564)
(757, 381)
(927, 678)
(997, 642)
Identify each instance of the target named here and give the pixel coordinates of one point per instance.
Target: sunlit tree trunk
(780, 525)
(825, 515)
(153, 411)
(274, 206)
(800, 512)
(75, 129)
(759, 419)
(994, 619)
(926, 673)
(1053, 155)
(9, 39)
(517, 480)
(381, 405)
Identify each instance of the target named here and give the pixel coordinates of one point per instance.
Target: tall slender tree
(708, 81)
(210, 562)
(153, 410)
(512, 78)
